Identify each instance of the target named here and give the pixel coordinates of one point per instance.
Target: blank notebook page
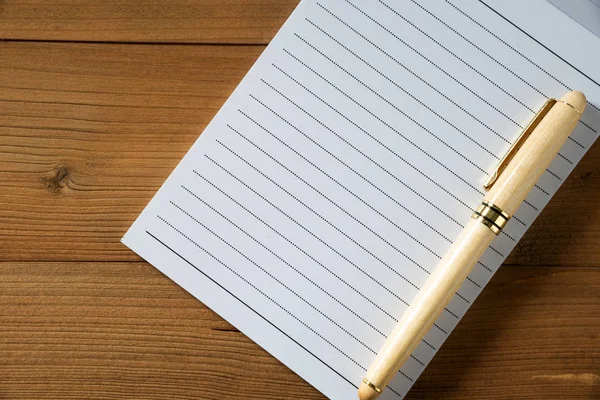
(319, 199)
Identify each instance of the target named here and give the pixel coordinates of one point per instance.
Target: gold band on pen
(369, 384)
(491, 216)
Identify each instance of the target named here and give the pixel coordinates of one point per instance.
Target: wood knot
(583, 179)
(585, 176)
(57, 181)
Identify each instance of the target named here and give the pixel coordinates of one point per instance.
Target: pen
(508, 186)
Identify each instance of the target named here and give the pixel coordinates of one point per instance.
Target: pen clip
(518, 143)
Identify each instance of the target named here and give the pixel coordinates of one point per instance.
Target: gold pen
(508, 186)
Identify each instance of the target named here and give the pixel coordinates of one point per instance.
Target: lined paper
(319, 199)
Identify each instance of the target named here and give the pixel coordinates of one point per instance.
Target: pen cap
(536, 153)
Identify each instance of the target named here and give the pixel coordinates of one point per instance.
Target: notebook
(318, 200)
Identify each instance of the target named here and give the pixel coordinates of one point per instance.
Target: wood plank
(87, 140)
(123, 330)
(88, 137)
(189, 21)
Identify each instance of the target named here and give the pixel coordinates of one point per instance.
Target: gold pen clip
(519, 142)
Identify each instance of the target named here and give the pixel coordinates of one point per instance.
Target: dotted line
(542, 190)
(304, 134)
(442, 70)
(316, 237)
(474, 283)
(261, 292)
(283, 260)
(515, 50)
(518, 220)
(297, 59)
(477, 47)
(352, 193)
(383, 51)
(554, 175)
(391, 128)
(312, 210)
(284, 96)
(308, 231)
(397, 85)
(502, 65)
(447, 50)
(305, 253)
(508, 236)
(411, 118)
(274, 278)
(331, 201)
(485, 266)
(369, 158)
(395, 392)
(565, 158)
(295, 245)
(587, 126)
(464, 62)
(451, 313)
(518, 52)
(463, 298)
(429, 344)
(497, 252)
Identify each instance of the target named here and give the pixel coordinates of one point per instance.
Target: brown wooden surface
(88, 132)
(191, 21)
(123, 330)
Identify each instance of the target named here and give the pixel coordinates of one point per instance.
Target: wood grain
(189, 21)
(123, 330)
(88, 133)
(87, 140)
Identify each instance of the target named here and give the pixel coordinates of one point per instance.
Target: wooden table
(98, 102)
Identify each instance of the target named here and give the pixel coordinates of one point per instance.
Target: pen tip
(576, 99)
(366, 392)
